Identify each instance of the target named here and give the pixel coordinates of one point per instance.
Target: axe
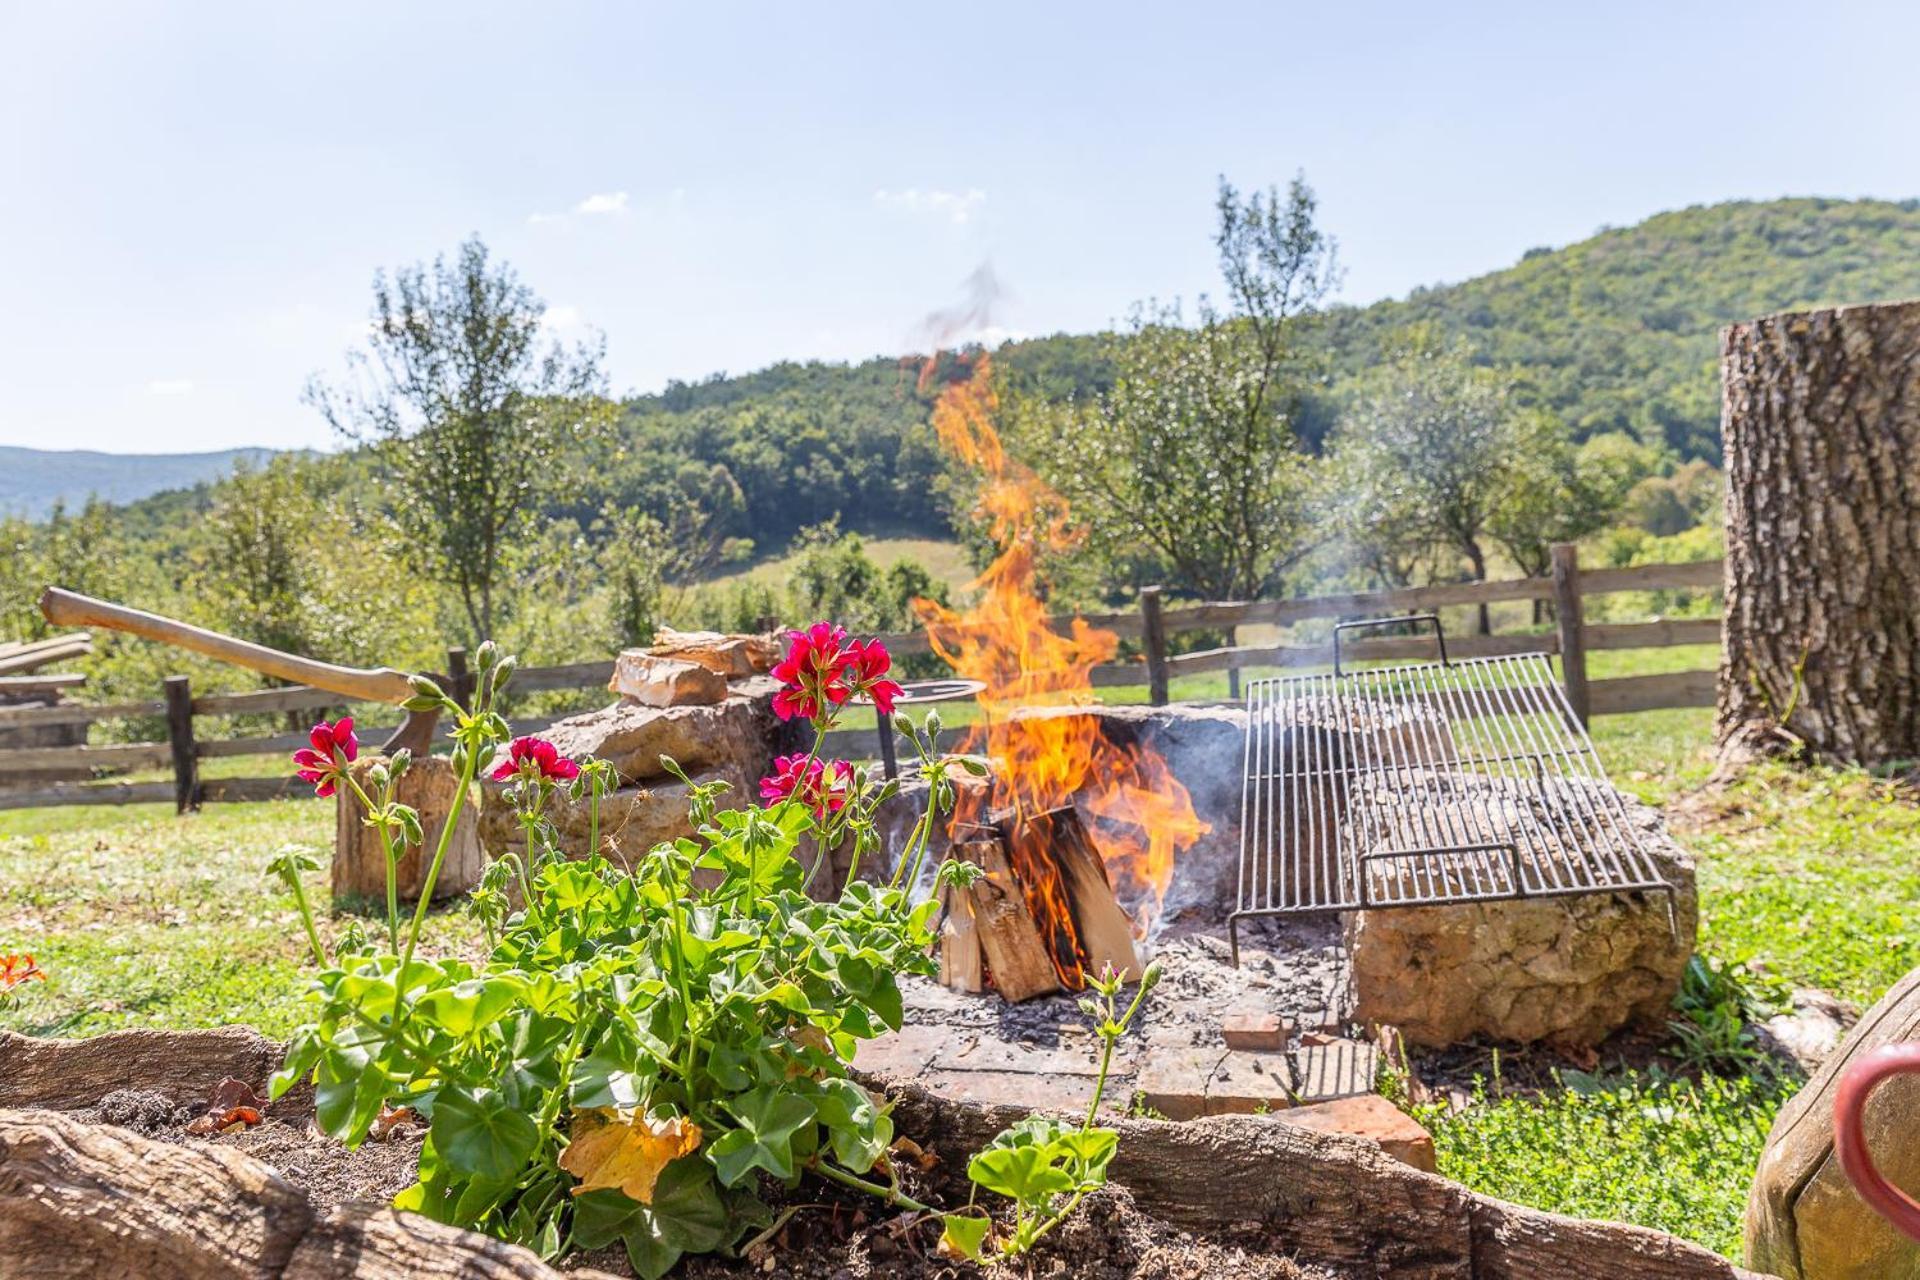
(361, 684)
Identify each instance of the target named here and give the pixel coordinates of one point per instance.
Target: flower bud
(1151, 978)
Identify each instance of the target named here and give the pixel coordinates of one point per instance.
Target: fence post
(1153, 633)
(1570, 618)
(186, 766)
(459, 677)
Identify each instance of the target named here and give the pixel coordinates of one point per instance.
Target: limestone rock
(741, 732)
(1804, 1220)
(1568, 970)
(1807, 1034)
(733, 656)
(632, 819)
(665, 682)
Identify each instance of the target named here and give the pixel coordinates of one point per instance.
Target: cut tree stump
(1822, 622)
(428, 785)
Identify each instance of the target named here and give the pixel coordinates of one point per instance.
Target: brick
(1253, 1029)
(1022, 1089)
(1245, 1082)
(1369, 1116)
(907, 1053)
(1337, 1069)
(1173, 1081)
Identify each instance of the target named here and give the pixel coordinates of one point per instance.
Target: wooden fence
(1152, 623)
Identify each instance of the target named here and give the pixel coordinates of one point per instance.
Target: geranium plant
(644, 1049)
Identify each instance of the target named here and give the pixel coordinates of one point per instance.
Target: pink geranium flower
(823, 788)
(333, 748)
(814, 673)
(871, 663)
(537, 758)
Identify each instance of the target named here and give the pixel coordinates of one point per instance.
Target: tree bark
(1821, 420)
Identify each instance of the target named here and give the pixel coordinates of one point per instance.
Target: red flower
(535, 757)
(821, 787)
(813, 672)
(872, 662)
(334, 748)
(16, 969)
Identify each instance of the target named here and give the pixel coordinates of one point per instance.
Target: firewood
(1104, 932)
(960, 959)
(1010, 942)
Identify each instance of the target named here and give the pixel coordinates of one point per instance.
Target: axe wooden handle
(363, 684)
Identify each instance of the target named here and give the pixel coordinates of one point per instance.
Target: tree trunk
(1477, 560)
(1821, 419)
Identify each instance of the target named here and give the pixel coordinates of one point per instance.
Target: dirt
(831, 1234)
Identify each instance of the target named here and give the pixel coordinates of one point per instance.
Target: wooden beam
(77, 713)
(1154, 633)
(186, 768)
(1652, 693)
(118, 755)
(59, 794)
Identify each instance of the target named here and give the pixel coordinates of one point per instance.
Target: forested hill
(1620, 332)
(1617, 332)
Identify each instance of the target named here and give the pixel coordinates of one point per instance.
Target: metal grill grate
(1417, 785)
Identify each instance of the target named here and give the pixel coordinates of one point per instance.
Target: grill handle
(1439, 635)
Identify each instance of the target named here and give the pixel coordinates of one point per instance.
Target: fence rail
(1151, 624)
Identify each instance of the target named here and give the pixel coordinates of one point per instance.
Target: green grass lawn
(142, 918)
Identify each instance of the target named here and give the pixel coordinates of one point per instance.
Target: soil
(831, 1234)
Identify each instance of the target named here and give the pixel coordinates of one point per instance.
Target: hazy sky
(195, 196)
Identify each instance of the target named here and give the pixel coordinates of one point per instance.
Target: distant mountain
(33, 480)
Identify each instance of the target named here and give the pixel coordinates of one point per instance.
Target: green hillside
(1620, 332)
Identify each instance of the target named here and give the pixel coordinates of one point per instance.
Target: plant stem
(892, 1195)
(1106, 1050)
(686, 994)
(378, 822)
(439, 855)
(306, 916)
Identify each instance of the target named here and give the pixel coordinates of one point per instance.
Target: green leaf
(768, 1118)
(1020, 1173)
(859, 1129)
(610, 1077)
(687, 1216)
(477, 1133)
(963, 1233)
(467, 1006)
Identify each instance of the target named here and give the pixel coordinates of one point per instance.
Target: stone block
(1336, 1069)
(1173, 1081)
(1245, 1082)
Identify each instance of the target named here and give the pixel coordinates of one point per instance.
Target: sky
(194, 197)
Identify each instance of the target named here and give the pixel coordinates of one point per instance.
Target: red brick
(1245, 1083)
(1369, 1116)
(1173, 1080)
(1251, 1029)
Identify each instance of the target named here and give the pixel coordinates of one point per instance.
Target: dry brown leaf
(625, 1150)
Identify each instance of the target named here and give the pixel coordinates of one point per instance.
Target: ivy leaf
(962, 1234)
(609, 1077)
(687, 1216)
(479, 1134)
(768, 1118)
(859, 1129)
(1019, 1173)
(624, 1150)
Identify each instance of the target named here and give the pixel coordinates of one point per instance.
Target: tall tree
(477, 416)
(1193, 456)
(1443, 445)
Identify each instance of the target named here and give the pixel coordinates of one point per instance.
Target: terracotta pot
(1850, 1139)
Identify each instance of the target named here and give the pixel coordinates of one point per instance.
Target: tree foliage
(476, 416)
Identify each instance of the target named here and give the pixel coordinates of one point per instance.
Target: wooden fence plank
(1651, 693)
(31, 686)
(88, 793)
(120, 755)
(77, 713)
(255, 701)
(1662, 633)
(228, 790)
(572, 675)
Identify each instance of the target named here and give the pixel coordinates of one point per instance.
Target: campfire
(1078, 835)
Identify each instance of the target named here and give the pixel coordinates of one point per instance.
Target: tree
(1562, 493)
(1443, 446)
(476, 417)
(1193, 455)
(633, 549)
(256, 567)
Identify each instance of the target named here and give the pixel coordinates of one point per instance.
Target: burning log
(1005, 935)
(1043, 918)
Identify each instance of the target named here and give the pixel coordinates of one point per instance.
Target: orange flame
(1142, 817)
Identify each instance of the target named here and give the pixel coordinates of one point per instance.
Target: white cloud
(170, 386)
(958, 207)
(562, 320)
(605, 202)
(600, 203)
